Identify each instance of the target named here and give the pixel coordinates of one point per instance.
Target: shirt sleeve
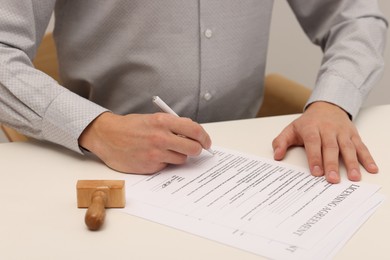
(31, 101)
(352, 35)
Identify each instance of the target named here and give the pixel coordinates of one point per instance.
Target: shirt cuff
(67, 117)
(339, 91)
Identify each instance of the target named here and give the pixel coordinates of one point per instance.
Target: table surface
(40, 218)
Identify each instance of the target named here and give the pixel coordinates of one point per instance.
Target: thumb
(283, 141)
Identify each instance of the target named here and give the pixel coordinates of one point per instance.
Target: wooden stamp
(97, 195)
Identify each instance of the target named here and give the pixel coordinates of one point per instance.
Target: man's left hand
(326, 133)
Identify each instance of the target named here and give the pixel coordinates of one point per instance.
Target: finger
(330, 153)
(173, 157)
(312, 143)
(157, 159)
(364, 156)
(283, 141)
(348, 153)
(184, 145)
(136, 165)
(192, 130)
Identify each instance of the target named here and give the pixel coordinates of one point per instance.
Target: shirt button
(208, 33)
(207, 96)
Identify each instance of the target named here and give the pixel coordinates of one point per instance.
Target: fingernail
(355, 175)
(277, 153)
(317, 171)
(373, 168)
(332, 175)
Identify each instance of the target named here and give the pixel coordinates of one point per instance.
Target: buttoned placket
(207, 35)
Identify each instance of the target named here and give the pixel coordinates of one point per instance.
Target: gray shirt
(205, 58)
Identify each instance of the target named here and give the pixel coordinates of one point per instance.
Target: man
(200, 57)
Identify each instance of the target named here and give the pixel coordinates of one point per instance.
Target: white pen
(165, 108)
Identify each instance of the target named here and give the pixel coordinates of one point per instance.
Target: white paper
(266, 207)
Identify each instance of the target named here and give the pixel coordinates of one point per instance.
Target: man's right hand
(143, 144)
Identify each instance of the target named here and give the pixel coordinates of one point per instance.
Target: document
(266, 207)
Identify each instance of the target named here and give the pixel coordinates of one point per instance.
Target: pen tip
(210, 151)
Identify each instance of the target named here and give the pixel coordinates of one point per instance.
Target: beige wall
(294, 56)
(51, 25)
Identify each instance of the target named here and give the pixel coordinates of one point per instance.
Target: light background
(293, 55)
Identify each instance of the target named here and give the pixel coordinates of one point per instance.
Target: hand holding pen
(165, 108)
(143, 143)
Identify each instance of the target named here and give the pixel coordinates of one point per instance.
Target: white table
(40, 219)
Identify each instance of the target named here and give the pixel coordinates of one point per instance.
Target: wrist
(91, 137)
(327, 106)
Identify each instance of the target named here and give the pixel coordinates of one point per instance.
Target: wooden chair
(12, 135)
(46, 58)
(281, 95)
